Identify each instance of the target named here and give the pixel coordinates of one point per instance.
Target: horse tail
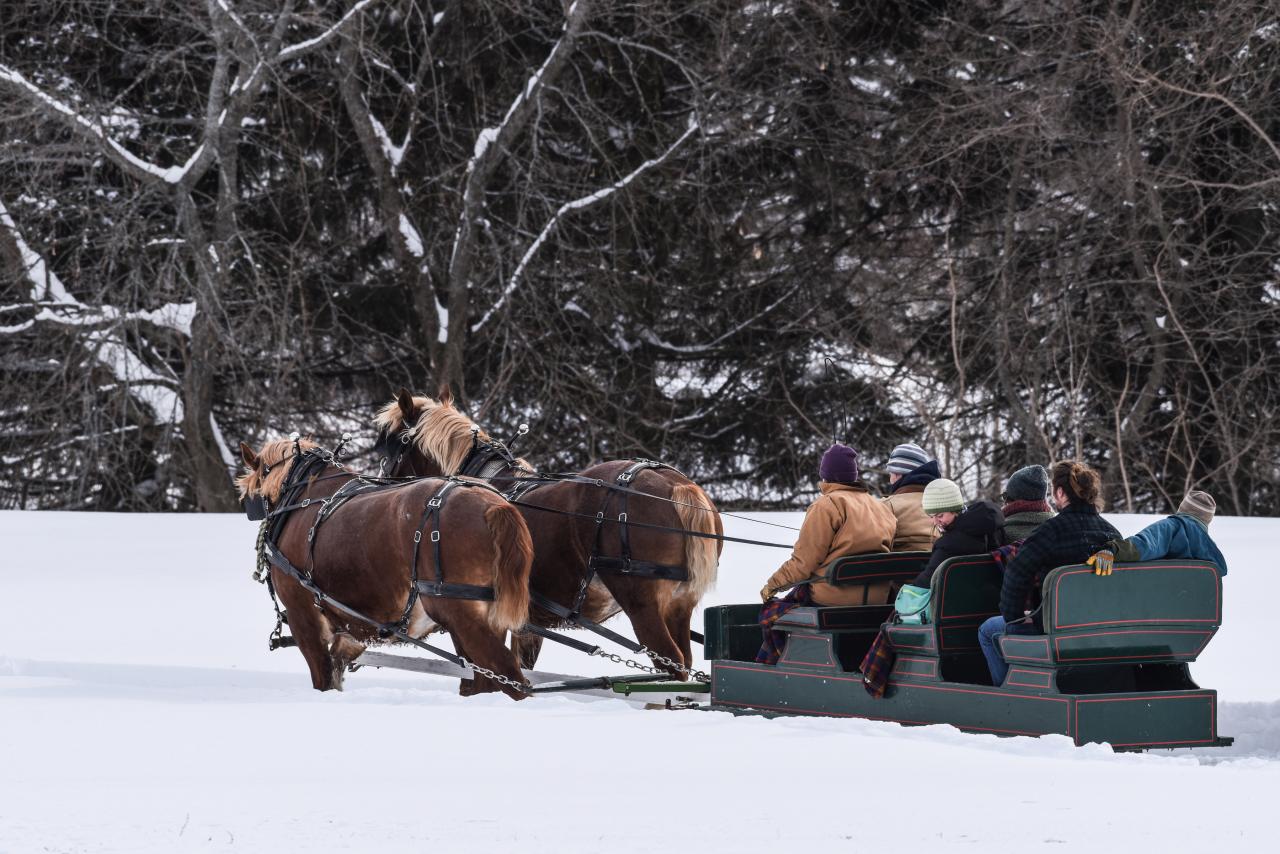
(513, 557)
(701, 554)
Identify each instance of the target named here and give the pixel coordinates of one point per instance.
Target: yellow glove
(766, 593)
(1102, 562)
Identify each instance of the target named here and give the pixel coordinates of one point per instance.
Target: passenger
(910, 471)
(1185, 534)
(965, 530)
(846, 519)
(1070, 537)
(1025, 505)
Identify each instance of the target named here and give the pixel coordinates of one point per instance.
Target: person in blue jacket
(1185, 534)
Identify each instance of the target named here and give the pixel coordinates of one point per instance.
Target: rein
(627, 522)
(484, 453)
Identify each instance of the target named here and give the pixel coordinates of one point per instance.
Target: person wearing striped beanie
(905, 459)
(910, 471)
(1185, 534)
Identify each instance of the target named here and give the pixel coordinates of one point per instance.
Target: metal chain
(498, 677)
(661, 659)
(628, 662)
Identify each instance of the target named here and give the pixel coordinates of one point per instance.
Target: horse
(583, 553)
(363, 544)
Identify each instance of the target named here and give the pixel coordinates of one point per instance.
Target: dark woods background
(713, 233)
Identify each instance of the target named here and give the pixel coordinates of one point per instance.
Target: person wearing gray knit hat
(1030, 483)
(1185, 534)
(1025, 507)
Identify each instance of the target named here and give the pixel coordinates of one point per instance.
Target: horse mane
(278, 454)
(390, 419)
(443, 433)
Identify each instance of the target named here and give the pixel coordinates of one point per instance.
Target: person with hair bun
(1070, 537)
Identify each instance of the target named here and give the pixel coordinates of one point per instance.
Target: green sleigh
(1112, 666)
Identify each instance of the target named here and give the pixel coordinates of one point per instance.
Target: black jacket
(1070, 537)
(977, 530)
(921, 475)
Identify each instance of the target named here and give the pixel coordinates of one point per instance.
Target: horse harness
(489, 458)
(315, 460)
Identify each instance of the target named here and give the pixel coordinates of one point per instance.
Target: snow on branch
(579, 204)
(130, 162)
(156, 391)
(301, 48)
(701, 349)
(394, 153)
(481, 156)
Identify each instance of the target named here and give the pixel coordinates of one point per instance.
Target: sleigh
(1111, 667)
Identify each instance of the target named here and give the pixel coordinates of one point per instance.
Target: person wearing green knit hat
(967, 529)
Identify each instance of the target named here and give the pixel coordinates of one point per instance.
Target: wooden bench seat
(733, 632)
(1153, 612)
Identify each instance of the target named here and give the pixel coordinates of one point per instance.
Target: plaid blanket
(1004, 555)
(771, 649)
(877, 664)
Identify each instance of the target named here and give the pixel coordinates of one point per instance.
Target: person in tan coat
(910, 471)
(845, 520)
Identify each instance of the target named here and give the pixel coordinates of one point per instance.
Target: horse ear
(404, 399)
(249, 457)
(445, 395)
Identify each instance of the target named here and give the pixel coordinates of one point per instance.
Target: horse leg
(485, 648)
(310, 628)
(343, 650)
(477, 683)
(526, 649)
(651, 630)
(678, 614)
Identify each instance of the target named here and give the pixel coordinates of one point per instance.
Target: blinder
(255, 507)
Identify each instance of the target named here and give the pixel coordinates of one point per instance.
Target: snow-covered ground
(141, 712)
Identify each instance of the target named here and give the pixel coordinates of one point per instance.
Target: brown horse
(427, 437)
(362, 557)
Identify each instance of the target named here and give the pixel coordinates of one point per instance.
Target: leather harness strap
(624, 564)
(310, 460)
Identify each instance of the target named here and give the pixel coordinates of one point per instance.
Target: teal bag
(912, 604)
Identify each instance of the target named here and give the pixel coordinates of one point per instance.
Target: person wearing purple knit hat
(845, 519)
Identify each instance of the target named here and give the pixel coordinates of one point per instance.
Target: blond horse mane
(444, 434)
(278, 455)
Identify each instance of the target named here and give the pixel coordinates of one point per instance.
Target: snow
(394, 153)
(155, 390)
(171, 174)
(143, 713)
(412, 239)
(296, 50)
